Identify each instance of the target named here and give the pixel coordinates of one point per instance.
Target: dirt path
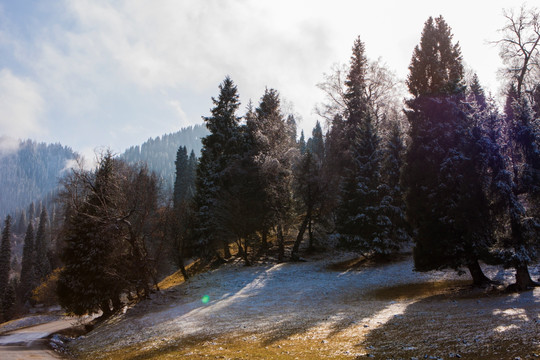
(29, 343)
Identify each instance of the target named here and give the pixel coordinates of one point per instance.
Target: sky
(90, 73)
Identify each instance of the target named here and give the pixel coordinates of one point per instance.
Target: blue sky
(90, 73)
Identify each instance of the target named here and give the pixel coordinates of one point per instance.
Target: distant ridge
(30, 171)
(160, 153)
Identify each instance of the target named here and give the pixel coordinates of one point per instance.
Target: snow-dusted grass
(306, 311)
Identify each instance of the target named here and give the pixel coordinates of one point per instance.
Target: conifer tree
(28, 276)
(446, 204)
(392, 203)
(41, 246)
(183, 176)
(22, 223)
(310, 189)
(272, 150)
(315, 144)
(302, 143)
(219, 150)
(5, 266)
(522, 249)
(476, 93)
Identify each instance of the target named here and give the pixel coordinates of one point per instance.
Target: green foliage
(110, 232)
(5, 268)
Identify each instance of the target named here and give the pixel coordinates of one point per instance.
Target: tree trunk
(299, 238)
(310, 232)
(183, 269)
(264, 240)
(523, 279)
(246, 254)
(281, 243)
(106, 309)
(479, 279)
(226, 250)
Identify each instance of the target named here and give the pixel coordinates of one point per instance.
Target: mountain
(160, 153)
(30, 171)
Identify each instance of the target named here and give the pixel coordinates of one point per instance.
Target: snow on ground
(29, 321)
(384, 310)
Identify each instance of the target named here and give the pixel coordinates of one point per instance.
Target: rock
(324, 341)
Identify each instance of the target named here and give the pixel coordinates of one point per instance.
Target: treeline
(159, 153)
(445, 171)
(30, 173)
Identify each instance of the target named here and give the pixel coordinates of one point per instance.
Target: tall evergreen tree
(445, 200)
(273, 154)
(219, 149)
(392, 203)
(22, 223)
(524, 136)
(41, 246)
(5, 264)
(302, 143)
(183, 176)
(28, 276)
(310, 189)
(315, 144)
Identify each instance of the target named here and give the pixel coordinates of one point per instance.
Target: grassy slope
(313, 310)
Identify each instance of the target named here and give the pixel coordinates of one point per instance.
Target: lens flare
(205, 299)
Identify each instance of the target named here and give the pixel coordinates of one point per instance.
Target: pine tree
(445, 201)
(291, 128)
(392, 203)
(302, 143)
(219, 150)
(360, 224)
(31, 211)
(316, 142)
(522, 249)
(28, 276)
(436, 67)
(272, 148)
(41, 246)
(22, 223)
(309, 187)
(181, 183)
(5, 265)
(476, 93)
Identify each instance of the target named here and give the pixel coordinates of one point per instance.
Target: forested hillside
(30, 173)
(160, 153)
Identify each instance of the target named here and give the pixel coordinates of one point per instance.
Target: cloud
(8, 145)
(21, 104)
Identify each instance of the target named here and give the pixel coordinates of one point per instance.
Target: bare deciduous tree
(520, 47)
(383, 91)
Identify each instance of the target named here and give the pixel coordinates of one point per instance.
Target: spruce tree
(302, 143)
(315, 144)
(309, 188)
(392, 203)
(181, 183)
(89, 279)
(22, 223)
(272, 150)
(445, 201)
(522, 249)
(5, 266)
(28, 276)
(41, 247)
(219, 150)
